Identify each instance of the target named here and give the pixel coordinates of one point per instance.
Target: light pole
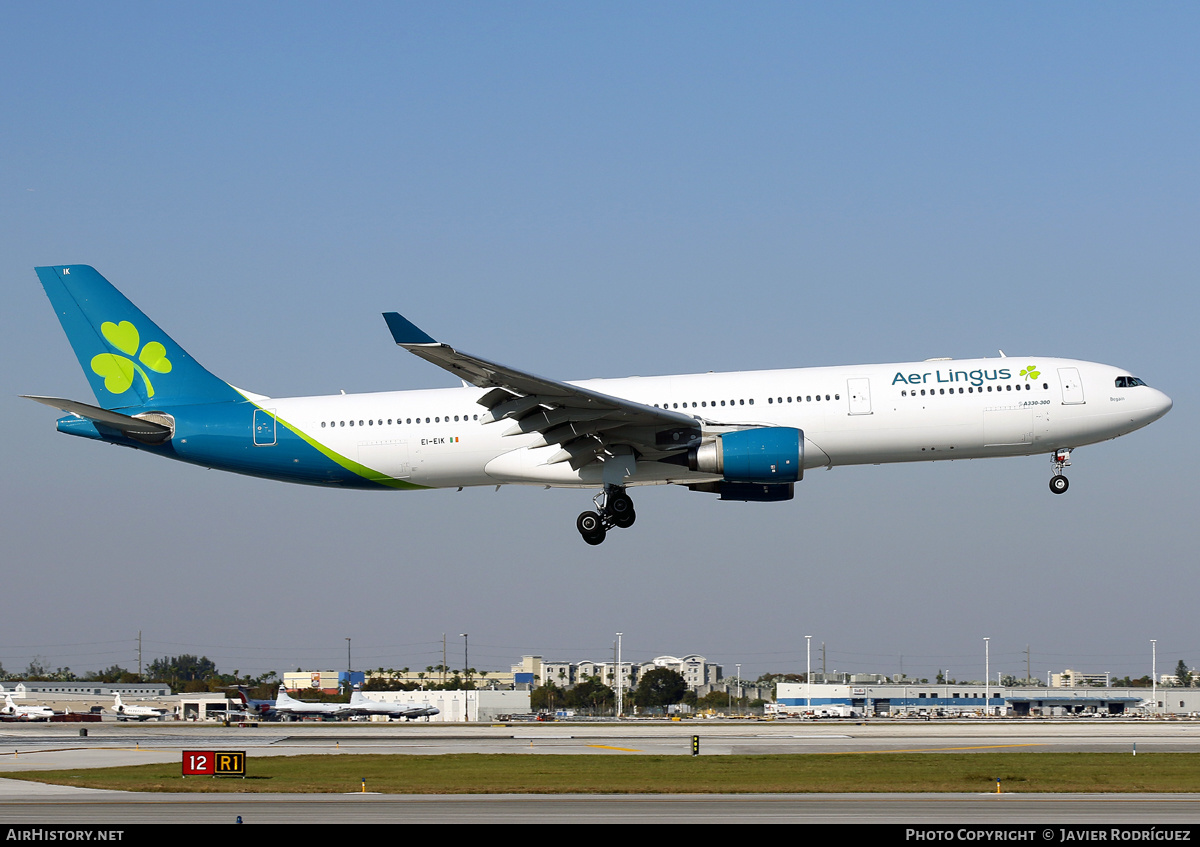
(808, 673)
(1154, 674)
(466, 678)
(620, 702)
(987, 673)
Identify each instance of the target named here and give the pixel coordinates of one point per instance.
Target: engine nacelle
(771, 454)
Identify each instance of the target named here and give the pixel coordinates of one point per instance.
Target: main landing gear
(613, 508)
(1061, 459)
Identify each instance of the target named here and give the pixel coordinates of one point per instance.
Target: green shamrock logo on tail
(1030, 372)
(117, 370)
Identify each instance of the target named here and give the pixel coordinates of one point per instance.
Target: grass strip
(472, 773)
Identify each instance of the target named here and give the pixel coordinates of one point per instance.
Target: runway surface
(66, 806)
(25, 747)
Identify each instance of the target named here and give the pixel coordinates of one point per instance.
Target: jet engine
(772, 454)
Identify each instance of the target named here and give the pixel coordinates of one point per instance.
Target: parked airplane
(747, 435)
(136, 713)
(360, 704)
(257, 708)
(25, 713)
(285, 705)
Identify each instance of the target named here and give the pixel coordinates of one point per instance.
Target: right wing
(587, 425)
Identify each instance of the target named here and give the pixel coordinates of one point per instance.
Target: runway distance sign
(214, 762)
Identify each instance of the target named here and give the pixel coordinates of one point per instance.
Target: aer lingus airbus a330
(746, 435)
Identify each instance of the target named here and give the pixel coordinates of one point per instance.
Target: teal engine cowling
(772, 455)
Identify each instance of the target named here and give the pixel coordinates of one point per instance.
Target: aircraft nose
(1159, 405)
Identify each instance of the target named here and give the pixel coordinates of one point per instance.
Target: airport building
(452, 706)
(478, 705)
(82, 688)
(974, 699)
(79, 697)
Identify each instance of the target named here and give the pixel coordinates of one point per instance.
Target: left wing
(587, 425)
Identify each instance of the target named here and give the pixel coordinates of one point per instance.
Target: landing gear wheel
(1061, 458)
(620, 509)
(614, 508)
(591, 527)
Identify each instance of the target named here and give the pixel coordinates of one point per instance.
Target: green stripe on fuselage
(377, 477)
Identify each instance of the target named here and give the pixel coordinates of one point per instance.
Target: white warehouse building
(947, 700)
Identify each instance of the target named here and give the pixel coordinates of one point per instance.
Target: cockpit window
(1129, 381)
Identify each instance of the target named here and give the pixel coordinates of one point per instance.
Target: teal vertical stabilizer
(129, 361)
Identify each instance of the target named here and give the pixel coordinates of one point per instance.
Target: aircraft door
(264, 427)
(1072, 386)
(859, 392)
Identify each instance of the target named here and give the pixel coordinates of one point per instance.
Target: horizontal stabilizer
(142, 430)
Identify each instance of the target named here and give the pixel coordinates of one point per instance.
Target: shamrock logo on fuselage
(117, 370)
(1030, 372)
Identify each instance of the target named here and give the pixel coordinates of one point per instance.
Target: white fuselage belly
(864, 414)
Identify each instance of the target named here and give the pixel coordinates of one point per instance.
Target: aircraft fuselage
(860, 414)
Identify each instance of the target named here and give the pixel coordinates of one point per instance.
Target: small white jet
(360, 704)
(25, 713)
(286, 706)
(136, 713)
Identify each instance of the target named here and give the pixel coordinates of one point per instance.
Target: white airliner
(747, 435)
(136, 713)
(360, 704)
(286, 705)
(25, 713)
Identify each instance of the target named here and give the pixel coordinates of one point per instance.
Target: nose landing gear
(1061, 459)
(613, 508)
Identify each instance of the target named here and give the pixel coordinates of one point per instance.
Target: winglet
(405, 331)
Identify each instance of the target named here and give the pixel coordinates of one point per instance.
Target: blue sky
(593, 191)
